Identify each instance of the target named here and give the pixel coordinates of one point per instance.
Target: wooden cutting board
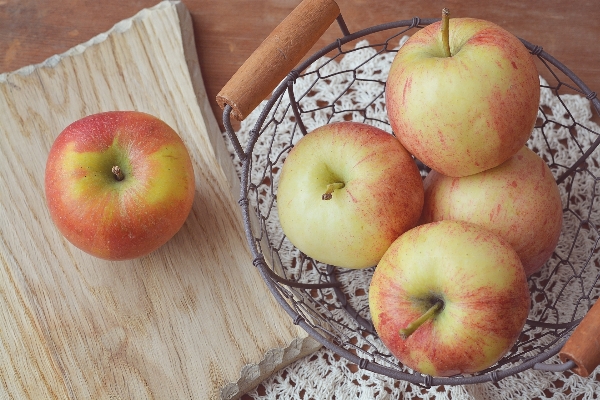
(192, 319)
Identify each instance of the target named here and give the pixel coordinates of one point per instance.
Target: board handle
(583, 347)
(276, 56)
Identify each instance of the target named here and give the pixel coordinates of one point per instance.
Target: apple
(518, 200)
(119, 184)
(449, 298)
(346, 191)
(468, 109)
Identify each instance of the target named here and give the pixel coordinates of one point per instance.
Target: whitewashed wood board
(192, 319)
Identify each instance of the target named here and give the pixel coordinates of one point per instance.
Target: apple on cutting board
(518, 200)
(119, 184)
(462, 95)
(347, 190)
(449, 298)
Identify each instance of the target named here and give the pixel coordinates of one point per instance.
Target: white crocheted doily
(557, 298)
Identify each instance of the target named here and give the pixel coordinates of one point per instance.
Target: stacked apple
(449, 294)
(346, 191)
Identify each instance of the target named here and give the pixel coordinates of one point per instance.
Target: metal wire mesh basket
(325, 300)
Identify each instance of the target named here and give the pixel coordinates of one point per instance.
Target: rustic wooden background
(227, 32)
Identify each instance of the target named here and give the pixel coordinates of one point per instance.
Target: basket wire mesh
(325, 300)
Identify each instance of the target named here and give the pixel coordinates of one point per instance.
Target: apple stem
(116, 170)
(446, 32)
(330, 188)
(414, 325)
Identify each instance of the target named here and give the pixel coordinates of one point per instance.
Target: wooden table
(227, 32)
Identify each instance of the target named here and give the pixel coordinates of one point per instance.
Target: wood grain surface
(191, 320)
(227, 32)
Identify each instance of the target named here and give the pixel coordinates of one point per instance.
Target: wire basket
(331, 303)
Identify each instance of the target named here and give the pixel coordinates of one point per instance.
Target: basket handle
(281, 51)
(583, 347)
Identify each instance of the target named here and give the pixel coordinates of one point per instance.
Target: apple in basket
(346, 191)
(469, 107)
(518, 200)
(119, 184)
(449, 298)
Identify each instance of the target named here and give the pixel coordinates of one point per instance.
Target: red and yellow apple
(347, 190)
(518, 200)
(466, 110)
(449, 298)
(119, 184)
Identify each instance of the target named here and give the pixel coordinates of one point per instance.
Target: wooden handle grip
(583, 347)
(277, 55)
